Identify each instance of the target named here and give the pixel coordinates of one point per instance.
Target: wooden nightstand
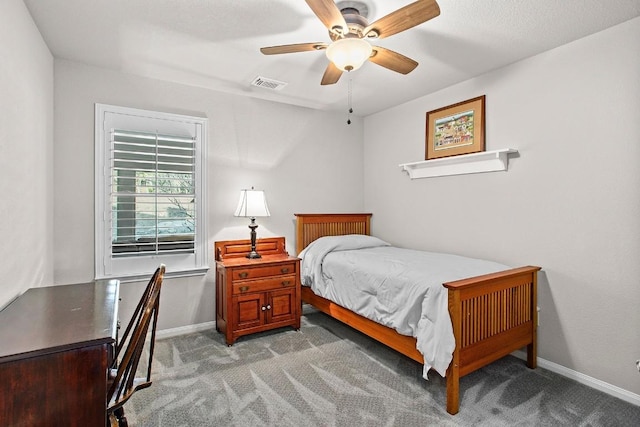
(255, 295)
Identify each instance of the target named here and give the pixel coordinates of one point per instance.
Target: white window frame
(141, 266)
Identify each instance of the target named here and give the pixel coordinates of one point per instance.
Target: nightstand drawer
(259, 272)
(264, 285)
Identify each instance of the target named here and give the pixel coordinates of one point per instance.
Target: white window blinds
(152, 193)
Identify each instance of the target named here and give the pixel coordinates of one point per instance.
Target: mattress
(396, 287)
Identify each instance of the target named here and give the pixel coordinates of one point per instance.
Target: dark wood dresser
(56, 344)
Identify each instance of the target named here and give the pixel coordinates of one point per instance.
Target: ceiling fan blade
(329, 14)
(292, 48)
(404, 18)
(392, 60)
(331, 75)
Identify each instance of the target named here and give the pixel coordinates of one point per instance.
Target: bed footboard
(492, 316)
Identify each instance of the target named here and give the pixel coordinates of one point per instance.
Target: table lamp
(251, 205)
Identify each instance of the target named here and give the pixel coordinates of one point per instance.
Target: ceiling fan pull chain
(349, 99)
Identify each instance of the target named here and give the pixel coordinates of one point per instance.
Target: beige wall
(305, 160)
(570, 201)
(26, 141)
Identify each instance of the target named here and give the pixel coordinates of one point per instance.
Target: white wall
(569, 203)
(305, 160)
(26, 135)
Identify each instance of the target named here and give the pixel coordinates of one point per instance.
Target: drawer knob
(243, 275)
(286, 282)
(244, 288)
(264, 308)
(268, 306)
(284, 270)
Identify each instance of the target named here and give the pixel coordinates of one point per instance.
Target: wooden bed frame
(492, 315)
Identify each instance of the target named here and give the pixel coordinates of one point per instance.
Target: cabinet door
(249, 310)
(283, 305)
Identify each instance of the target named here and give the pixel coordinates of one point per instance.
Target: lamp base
(253, 254)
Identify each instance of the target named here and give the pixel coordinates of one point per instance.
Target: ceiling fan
(350, 31)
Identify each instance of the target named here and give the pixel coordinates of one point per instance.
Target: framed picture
(456, 129)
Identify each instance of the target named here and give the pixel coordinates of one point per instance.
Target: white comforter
(399, 288)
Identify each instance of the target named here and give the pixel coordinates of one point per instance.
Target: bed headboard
(309, 227)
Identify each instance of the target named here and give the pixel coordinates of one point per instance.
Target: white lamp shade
(252, 203)
(348, 54)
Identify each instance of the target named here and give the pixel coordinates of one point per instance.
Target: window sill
(486, 161)
(168, 275)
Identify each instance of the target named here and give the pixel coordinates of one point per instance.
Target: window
(150, 195)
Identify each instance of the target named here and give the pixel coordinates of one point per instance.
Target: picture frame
(456, 129)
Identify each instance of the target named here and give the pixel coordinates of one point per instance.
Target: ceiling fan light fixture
(348, 54)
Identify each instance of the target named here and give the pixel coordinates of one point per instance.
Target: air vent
(268, 83)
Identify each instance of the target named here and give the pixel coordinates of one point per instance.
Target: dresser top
(246, 262)
(55, 318)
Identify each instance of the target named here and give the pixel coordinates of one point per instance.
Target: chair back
(123, 382)
(122, 340)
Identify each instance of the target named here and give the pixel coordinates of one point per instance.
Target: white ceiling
(215, 43)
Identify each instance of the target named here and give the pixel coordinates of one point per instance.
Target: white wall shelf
(485, 161)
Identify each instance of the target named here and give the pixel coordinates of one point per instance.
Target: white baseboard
(182, 330)
(595, 383)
